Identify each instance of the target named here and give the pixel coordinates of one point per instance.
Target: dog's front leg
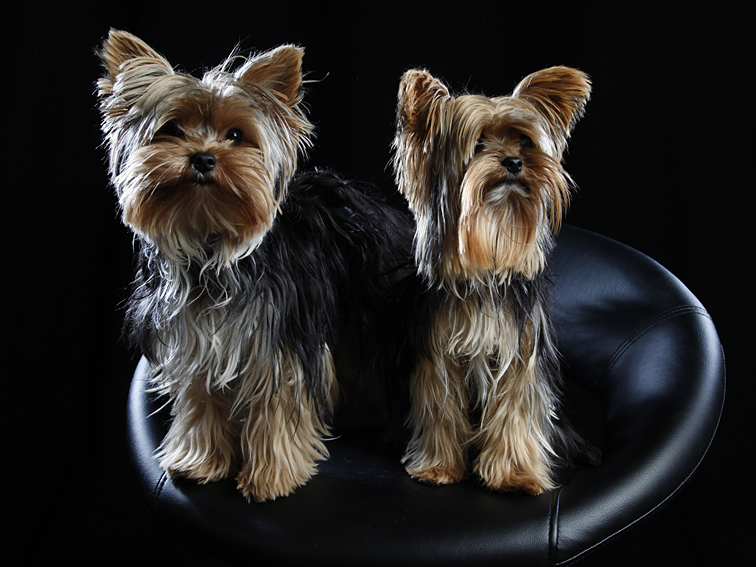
(201, 441)
(283, 435)
(437, 452)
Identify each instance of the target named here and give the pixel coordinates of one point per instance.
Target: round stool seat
(637, 346)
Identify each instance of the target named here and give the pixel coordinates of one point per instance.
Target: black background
(663, 160)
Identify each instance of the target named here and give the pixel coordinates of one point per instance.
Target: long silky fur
(486, 375)
(494, 329)
(248, 280)
(329, 235)
(331, 257)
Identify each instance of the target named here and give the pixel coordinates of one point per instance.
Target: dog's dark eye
(479, 147)
(235, 136)
(171, 130)
(525, 141)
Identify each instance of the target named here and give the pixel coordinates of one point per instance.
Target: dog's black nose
(513, 164)
(203, 162)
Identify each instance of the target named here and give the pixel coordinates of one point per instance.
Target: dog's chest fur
(221, 332)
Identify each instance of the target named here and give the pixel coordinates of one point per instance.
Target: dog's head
(200, 164)
(483, 176)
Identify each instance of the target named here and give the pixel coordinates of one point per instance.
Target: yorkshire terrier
(484, 180)
(247, 275)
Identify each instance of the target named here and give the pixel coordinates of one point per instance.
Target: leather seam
(633, 338)
(158, 491)
(554, 526)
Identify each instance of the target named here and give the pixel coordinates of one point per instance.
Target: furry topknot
(484, 180)
(249, 276)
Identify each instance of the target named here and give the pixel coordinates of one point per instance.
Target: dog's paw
(270, 482)
(207, 467)
(209, 470)
(519, 482)
(437, 475)
(501, 475)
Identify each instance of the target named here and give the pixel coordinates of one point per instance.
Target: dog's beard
(184, 213)
(505, 221)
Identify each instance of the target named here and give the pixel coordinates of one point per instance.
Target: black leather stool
(634, 340)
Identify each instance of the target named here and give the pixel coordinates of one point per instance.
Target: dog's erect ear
(559, 94)
(121, 46)
(418, 93)
(279, 71)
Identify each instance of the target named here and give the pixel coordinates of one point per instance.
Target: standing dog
(484, 180)
(246, 276)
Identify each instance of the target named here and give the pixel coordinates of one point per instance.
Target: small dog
(484, 180)
(247, 276)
